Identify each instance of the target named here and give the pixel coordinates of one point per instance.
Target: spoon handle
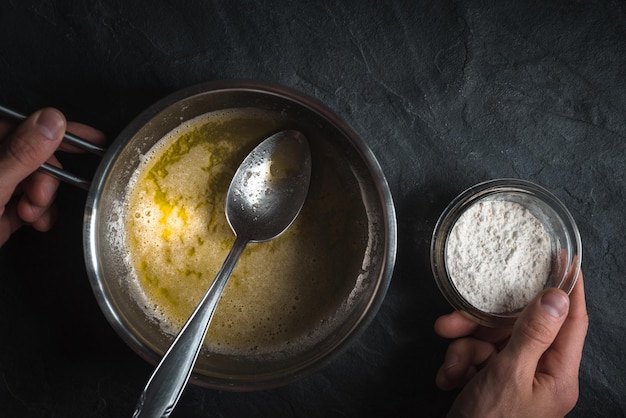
(168, 380)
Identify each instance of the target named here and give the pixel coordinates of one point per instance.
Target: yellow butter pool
(177, 237)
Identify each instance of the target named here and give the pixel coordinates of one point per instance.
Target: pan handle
(69, 139)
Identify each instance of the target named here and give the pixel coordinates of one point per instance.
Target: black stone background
(446, 93)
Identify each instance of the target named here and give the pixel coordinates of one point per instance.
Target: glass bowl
(565, 247)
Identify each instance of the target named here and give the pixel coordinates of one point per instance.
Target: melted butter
(178, 238)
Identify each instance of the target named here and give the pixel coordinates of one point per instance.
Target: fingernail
(50, 123)
(555, 303)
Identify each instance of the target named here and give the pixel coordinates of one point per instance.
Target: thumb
(537, 327)
(32, 143)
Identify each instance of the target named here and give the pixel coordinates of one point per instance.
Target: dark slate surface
(446, 94)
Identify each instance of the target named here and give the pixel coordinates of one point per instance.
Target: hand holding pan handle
(68, 138)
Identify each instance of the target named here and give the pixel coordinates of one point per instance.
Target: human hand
(530, 370)
(27, 196)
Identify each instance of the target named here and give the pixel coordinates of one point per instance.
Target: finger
(566, 352)
(536, 329)
(456, 325)
(463, 359)
(39, 191)
(32, 143)
(46, 220)
(44, 189)
(85, 132)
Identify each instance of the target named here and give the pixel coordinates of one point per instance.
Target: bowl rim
(466, 199)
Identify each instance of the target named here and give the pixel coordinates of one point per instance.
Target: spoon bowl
(264, 197)
(269, 188)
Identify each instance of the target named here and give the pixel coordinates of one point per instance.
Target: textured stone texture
(447, 94)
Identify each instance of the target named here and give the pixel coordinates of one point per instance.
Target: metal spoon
(264, 198)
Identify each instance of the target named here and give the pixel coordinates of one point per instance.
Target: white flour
(498, 255)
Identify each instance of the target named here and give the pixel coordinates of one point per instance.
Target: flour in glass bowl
(498, 255)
